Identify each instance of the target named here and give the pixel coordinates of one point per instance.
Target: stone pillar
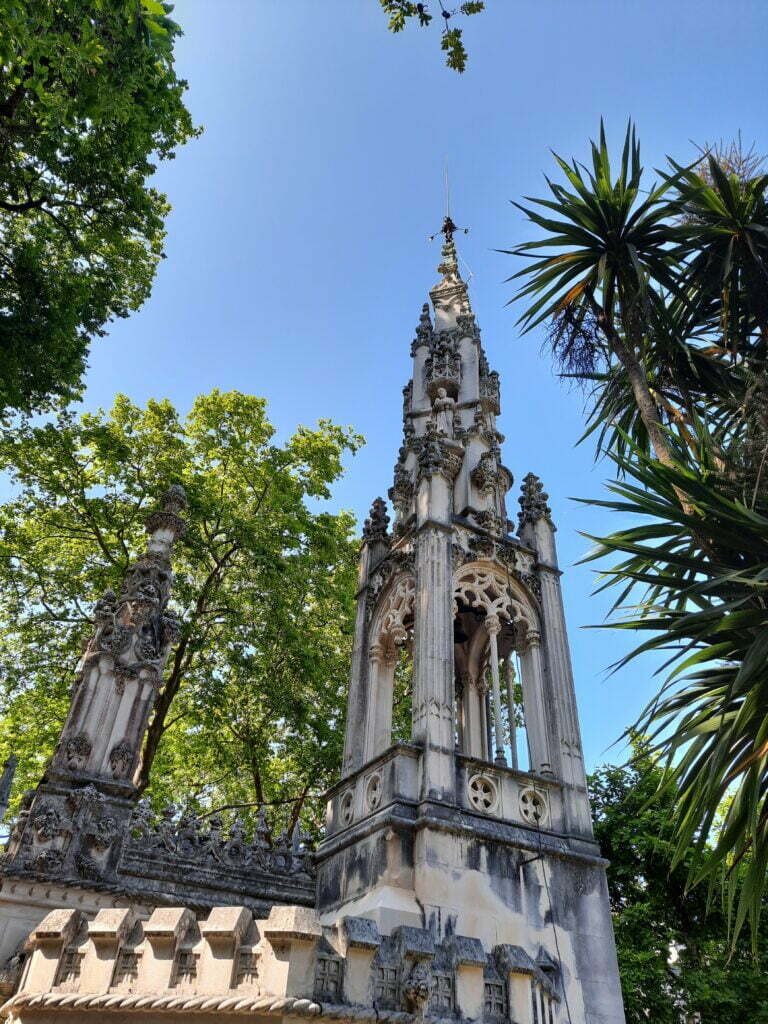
(534, 699)
(376, 544)
(75, 826)
(509, 676)
(121, 670)
(538, 530)
(493, 626)
(474, 727)
(378, 733)
(439, 460)
(433, 661)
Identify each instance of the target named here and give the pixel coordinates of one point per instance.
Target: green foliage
(250, 707)
(674, 953)
(657, 299)
(451, 42)
(88, 98)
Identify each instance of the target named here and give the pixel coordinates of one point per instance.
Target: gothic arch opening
(389, 668)
(496, 641)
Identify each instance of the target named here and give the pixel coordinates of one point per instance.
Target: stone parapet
(174, 963)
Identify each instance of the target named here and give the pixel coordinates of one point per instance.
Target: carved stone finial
(533, 501)
(167, 518)
(376, 526)
(424, 330)
(6, 780)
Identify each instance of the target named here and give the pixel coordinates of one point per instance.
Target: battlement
(115, 964)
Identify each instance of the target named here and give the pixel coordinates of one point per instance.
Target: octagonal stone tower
(445, 832)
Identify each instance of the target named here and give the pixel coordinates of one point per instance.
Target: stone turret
(444, 835)
(72, 826)
(121, 670)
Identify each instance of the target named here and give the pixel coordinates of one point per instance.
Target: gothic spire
(449, 296)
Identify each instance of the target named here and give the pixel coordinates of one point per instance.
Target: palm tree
(657, 300)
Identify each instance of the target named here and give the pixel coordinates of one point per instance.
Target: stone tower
(444, 832)
(72, 825)
(458, 882)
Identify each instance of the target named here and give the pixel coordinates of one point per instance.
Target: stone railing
(205, 842)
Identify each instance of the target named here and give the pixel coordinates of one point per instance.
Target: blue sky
(297, 254)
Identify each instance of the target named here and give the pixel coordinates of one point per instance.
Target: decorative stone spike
(6, 780)
(533, 501)
(376, 526)
(424, 330)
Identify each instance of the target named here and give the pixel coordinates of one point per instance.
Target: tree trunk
(646, 406)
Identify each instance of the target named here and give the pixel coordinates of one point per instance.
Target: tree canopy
(249, 712)
(656, 297)
(89, 99)
(400, 12)
(674, 952)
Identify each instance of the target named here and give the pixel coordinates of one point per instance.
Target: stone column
(75, 826)
(376, 544)
(509, 675)
(493, 626)
(439, 461)
(121, 671)
(534, 699)
(473, 719)
(433, 661)
(378, 733)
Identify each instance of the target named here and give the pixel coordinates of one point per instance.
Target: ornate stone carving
(533, 501)
(423, 331)
(467, 326)
(121, 759)
(407, 397)
(437, 455)
(375, 527)
(401, 492)
(483, 793)
(189, 843)
(168, 517)
(395, 615)
(46, 822)
(442, 368)
(418, 988)
(487, 589)
(485, 475)
(77, 750)
(490, 393)
(48, 862)
(533, 806)
(444, 412)
(491, 521)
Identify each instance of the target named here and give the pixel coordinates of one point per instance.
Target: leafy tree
(88, 99)
(264, 582)
(656, 299)
(400, 12)
(674, 951)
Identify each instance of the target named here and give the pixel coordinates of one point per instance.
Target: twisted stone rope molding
(204, 1004)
